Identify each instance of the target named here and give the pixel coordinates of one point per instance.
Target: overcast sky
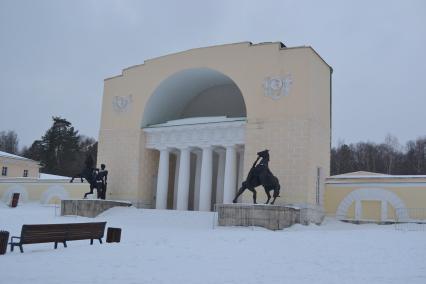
(54, 55)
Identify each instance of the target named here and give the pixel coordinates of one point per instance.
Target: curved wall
(171, 99)
(224, 100)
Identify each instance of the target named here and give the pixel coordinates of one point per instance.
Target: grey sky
(54, 55)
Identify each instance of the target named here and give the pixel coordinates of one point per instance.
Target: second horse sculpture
(260, 175)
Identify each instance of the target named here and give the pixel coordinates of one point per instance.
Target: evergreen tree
(60, 147)
(61, 150)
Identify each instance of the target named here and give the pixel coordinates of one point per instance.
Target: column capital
(240, 149)
(233, 146)
(220, 151)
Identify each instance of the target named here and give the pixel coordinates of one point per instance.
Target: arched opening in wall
(198, 92)
(372, 204)
(194, 116)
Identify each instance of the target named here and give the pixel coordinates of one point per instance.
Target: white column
(220, 176)
(206, 179)
(183, 182)
(175, 186)
(240, 168)
(162, 180)
(230, 174)
(197, 181)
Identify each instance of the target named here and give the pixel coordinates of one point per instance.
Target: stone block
(272, 217)
(89, 207)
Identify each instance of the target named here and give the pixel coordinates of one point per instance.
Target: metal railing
(410, 219)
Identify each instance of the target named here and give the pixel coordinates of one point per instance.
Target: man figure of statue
(89, 173)
(101, 179)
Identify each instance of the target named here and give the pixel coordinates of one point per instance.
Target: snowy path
(182, 247)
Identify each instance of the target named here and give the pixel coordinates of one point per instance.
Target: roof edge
(281, 46)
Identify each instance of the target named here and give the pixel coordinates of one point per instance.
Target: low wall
(89, 207)
(272, 217)
(38, 190)
(377, 201)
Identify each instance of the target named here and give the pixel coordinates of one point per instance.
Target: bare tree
(391, 149)
(9, 141)
(416, 156)
(388, 157)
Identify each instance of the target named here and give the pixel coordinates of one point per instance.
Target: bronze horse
(89, 173)
(260, 175)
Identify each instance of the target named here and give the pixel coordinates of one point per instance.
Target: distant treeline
(62, 151)
(388, 157)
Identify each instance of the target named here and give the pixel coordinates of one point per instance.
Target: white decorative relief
(277, 87)
(215, 134)
(122, 103)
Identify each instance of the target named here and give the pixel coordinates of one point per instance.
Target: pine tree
(58, 150)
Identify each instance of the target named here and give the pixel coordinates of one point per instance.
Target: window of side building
(4, 171)
(25, 173)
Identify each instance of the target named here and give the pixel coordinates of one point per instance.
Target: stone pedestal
(272, 217)
(89, 207)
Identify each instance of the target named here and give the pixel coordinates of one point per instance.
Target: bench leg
(100, 240)
(65, 244)
(91, 241)
(11, 247)
(20, 247)
(56, 245)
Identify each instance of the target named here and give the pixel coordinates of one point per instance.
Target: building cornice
(196, 135)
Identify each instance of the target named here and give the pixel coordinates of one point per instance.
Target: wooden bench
(58, 233)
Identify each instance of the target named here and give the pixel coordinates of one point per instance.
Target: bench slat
(44, 233)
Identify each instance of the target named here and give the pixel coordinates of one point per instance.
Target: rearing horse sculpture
(260, 175)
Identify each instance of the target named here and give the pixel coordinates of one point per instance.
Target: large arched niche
(196, 92)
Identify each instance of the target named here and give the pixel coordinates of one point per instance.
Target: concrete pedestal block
(272, 217)
(89, 207)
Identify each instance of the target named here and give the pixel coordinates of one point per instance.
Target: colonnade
(211, 139)
(229, 158)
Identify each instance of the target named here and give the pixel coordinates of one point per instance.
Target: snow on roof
(359, 173)
(371, 175)
(12, 156)
(49, 176)
(198, 120)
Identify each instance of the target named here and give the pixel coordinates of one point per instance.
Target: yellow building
(21, 175)
(17, 166)
(366, 196)
(181, 131)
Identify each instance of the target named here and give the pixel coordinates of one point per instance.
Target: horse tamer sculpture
(89, 173)
(260, 174)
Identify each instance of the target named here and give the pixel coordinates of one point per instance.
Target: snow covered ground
(183, 247)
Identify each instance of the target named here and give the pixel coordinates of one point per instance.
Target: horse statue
(89, 173)
(260, 175)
